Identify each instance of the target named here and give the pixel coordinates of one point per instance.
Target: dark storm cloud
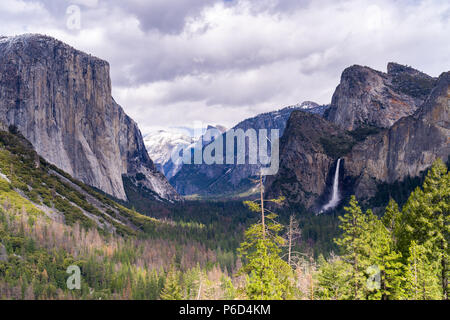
(166, 16)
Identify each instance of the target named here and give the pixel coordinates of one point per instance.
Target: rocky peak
(308, 105)
(369, 156)
(410, 81)
(406, 149)
(366, 97)
(394, 68)
(60, 99)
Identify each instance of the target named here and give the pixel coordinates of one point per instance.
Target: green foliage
(268, 276)
(422, 277)
(228, 289)
(337, 146)
(386, 261)
(369, 267)
(355, 247)
(403, 255)
(172, 290)
(426, 219)
(332, 276)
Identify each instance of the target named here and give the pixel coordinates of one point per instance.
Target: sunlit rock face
(60, 99)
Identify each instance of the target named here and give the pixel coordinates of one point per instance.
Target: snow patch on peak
(307, 105)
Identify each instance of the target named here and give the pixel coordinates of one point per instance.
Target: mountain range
(386, 127)
(231, 180)
(162, 144)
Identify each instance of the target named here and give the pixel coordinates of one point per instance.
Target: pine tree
(383, 257)
(426, 216)
(422, 281)
(172, 289)
(332, 278)
(392, 220)
(355, 246)
(269, 277)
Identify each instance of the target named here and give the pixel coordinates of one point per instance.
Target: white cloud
(174, 62)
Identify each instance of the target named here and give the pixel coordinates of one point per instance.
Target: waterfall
(334, 201)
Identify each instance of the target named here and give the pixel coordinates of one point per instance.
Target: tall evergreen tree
(426, 216)
(392, 220)
(268, 275)
(172, 289)
(385, 259)
(422, 279)
(355, 246)
(332, 278)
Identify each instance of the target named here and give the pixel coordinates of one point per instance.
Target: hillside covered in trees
(46, 226)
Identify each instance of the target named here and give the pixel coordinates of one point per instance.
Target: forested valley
(215, 250)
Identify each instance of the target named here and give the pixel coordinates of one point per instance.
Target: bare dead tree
(292, 236)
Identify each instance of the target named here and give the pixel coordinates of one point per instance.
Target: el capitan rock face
(366, 97)
(60, 99)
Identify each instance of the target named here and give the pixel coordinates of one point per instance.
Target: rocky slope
(60, 99)
(366, 97)
(231, 180)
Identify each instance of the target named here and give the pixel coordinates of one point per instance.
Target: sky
(177, 62)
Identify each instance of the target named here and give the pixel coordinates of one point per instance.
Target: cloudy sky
(174, 62)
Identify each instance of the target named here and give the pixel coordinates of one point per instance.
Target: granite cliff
(308, 150)
(386, 128)
(60, 99)
(366, 97)
(406, 149)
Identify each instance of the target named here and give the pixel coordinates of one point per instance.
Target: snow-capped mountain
(308, 105)
(311, 107)
(217, 179)
(162, 144)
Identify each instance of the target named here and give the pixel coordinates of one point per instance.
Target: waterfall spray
(335, 198)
